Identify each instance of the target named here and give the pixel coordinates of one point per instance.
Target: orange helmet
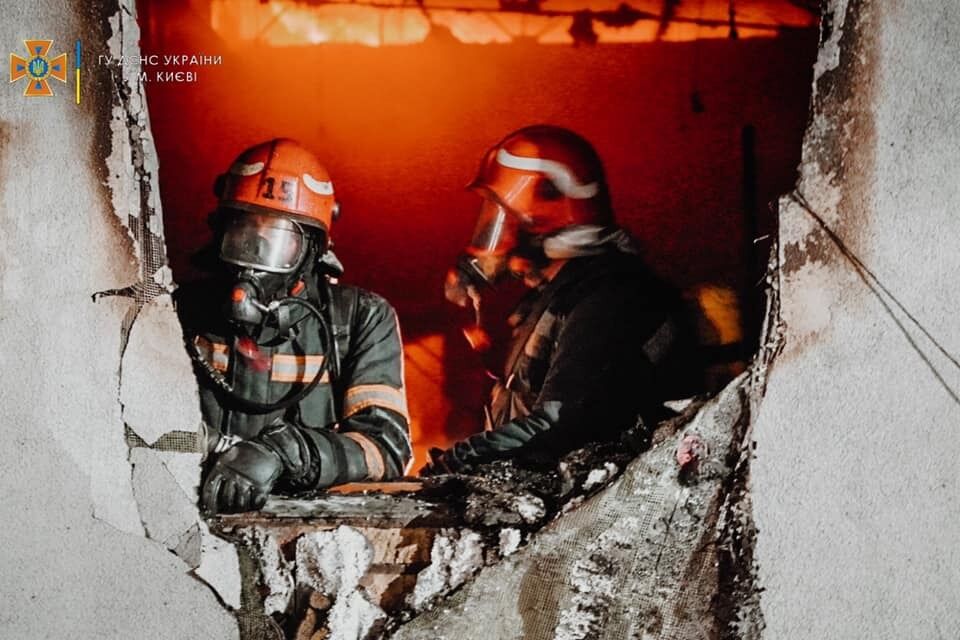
(280, 177)
(550, 177)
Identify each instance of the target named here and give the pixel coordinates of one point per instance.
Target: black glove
(442, 462)
(241, 478)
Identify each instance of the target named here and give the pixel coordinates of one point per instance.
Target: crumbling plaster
(639, 559)
(854, 484)
(91, 522)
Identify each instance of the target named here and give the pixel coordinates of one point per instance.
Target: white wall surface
(855, 488)
(75, 559)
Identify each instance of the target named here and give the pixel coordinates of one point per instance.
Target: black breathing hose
(295, 395)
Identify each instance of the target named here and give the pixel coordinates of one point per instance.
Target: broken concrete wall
(101, 534)
(854, 483)
(340, 563)
(637, 560)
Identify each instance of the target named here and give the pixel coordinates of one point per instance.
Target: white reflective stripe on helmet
(243, 169)
(321, 187)
(559, 173)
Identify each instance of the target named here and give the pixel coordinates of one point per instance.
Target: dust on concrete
(332, 563)
(455, 556)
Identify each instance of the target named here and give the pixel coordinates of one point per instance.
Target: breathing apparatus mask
(499, 246)
(270, 254)
(502, 243)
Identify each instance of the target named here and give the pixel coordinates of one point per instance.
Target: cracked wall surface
(854, 484)
(102, 538)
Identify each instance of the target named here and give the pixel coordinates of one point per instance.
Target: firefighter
(301, 378)
(595, 338)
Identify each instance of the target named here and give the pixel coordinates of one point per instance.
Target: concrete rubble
(333, 563)
(455, 557)
(378, 562)
(633, 560)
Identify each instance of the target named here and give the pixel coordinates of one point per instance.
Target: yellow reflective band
(295, 368)
(217, 354)
(375, 395)
(376, 467)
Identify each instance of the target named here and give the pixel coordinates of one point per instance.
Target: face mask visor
(496, 232)
(263, 242)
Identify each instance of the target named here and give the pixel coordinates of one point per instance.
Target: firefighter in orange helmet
(301, 377)
(594, 339)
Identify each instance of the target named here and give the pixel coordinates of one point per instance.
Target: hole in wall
(697, 136)
(698, 130)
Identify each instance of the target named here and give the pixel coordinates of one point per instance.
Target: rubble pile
(639, 557)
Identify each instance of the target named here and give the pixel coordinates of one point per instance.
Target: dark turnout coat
(356, 417)
(593, 352)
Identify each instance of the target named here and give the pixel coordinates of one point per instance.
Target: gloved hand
(442, 462)
(241, 478)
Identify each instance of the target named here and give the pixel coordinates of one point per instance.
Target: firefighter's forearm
(502, 442)
(371, 445)
(383, 435)
(313, 458)
(508, 438)
(338, 459)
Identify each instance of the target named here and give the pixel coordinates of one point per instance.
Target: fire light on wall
(399, 22)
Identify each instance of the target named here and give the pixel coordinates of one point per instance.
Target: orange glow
(429, 408)
(388, 22)
(283, 24)
(719, 322)
(401, 102)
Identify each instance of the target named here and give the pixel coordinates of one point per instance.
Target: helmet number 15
(286, 192)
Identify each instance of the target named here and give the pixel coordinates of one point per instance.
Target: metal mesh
(174, 441)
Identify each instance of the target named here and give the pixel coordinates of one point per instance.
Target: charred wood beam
(666, 17)
(623, 15)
